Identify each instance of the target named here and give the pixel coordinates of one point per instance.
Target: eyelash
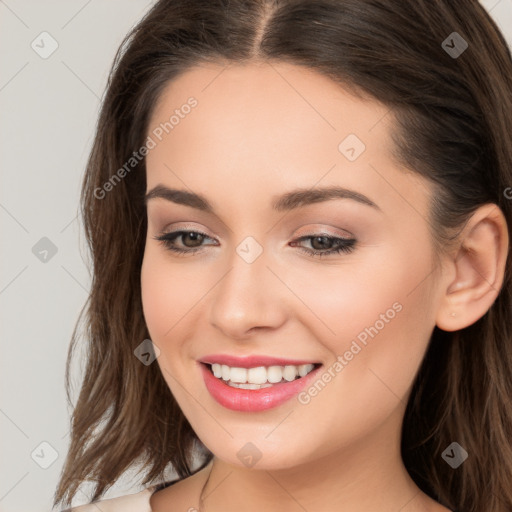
(345, 245)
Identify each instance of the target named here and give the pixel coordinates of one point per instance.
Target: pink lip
(253, 400)
(250, 361)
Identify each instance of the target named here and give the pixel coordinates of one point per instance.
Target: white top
(138, 502)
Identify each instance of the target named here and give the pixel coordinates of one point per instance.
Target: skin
(260, 130)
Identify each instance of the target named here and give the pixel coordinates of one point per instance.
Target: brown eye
(192, 238)
(191, 241)
(323, 245)
(321, 242)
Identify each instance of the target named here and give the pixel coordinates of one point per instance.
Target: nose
(248, 299)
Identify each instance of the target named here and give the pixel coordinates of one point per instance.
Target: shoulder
(138, 502)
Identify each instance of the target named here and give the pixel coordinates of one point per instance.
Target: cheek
(156, 294)
(339, 302)
(381, 333)
(377, 316)
(167, 294)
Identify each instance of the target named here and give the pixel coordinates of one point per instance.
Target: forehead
(274, 95)
(269, 126)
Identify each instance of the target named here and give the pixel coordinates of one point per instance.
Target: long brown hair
(453, 126)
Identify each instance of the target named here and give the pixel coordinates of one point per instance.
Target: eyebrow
(288, 201)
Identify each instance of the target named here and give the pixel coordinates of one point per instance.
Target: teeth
(290, 372)
(237, 374)
(247, 378)
(304, 369)
(225, 372)
(257, 375)
(249, 386)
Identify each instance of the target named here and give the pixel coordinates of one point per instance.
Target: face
(273, 268)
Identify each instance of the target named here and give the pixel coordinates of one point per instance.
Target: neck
(367, 476)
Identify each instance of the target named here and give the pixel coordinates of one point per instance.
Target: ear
(475, 270)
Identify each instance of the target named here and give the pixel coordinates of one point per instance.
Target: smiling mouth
(259, 377)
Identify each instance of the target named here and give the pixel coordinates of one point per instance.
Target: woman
(299, 214)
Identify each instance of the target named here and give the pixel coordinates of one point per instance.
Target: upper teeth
(261, 374)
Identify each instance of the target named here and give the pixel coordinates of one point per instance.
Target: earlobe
(479, 267)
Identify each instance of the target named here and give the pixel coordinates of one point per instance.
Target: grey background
(49, 109)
